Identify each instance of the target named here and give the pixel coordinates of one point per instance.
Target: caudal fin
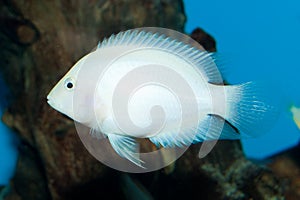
(251, 108)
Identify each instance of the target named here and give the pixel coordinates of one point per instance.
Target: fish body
(142, 84)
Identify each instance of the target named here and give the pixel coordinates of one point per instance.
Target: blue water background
(259, 40)
(8, 142)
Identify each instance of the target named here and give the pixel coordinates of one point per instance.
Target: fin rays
(203, 60)
(212, 127)
(126, 147)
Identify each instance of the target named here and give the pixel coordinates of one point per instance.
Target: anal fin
(211, 127)
(211, 130)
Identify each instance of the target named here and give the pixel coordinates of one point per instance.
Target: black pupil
(69, 85)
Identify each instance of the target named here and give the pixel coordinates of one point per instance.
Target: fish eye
(69, 84)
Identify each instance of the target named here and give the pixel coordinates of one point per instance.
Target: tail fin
(251, 108)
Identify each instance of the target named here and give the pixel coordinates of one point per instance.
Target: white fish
(202, 109)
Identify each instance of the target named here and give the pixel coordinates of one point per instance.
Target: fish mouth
(49, 100)
(51, 103)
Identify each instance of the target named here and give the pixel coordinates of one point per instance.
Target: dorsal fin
(172, 42)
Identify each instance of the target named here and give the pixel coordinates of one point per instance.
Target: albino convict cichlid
(156, 85)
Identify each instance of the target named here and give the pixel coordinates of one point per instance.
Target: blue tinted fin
(171, 139)
(212, 127)
(251, 108)
(126, 147)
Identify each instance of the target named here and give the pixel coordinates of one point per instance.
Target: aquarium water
(8, 142)
(258, 40)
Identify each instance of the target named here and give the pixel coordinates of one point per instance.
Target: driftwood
(40, 41)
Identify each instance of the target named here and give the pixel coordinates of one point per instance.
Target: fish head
(61, 97)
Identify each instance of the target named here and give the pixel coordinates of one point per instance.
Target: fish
(296, 115)
(160, 85)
